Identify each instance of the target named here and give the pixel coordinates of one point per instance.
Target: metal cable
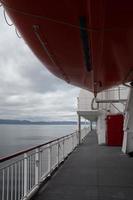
(92, 104)
(116, 108)
(6, 18)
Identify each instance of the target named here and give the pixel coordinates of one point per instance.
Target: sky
(28, 91)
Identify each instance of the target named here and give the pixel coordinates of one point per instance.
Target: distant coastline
(27, 122)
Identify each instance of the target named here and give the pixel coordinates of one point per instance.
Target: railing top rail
(3, 159)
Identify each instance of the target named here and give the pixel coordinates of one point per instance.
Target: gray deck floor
(91, 172)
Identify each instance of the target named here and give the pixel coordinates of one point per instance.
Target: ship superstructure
(87, 43)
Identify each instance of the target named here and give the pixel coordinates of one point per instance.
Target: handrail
(22, 173)
(3, 159)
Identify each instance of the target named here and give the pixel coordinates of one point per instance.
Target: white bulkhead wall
(85, 101)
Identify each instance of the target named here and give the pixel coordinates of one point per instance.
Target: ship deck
(91, 172)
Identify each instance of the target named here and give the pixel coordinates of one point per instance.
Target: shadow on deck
(91, 172)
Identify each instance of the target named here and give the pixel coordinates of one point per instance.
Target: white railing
(84, 133)
(22, 173)
(113, 99)
(117, 94)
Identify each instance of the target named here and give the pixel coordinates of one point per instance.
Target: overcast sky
(27, 89)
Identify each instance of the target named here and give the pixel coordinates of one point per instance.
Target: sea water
(14, 138)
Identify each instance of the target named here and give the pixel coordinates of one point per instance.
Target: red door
(114, 133)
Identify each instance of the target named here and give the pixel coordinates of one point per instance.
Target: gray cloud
(27, 89)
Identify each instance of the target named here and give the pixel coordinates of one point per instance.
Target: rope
(4, 12)
(17, 33)
(6, 18)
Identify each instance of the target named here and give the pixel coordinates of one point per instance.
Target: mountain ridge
(28, 122)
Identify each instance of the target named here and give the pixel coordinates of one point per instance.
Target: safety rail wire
(22, 173)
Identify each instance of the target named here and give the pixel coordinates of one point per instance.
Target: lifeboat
(87, 43)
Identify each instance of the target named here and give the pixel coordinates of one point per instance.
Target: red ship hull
(88, 43)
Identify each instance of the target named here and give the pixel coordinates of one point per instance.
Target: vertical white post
(72, 141)
(7, 189)
(49, 159)
(25, 173)
(119, 93)
(37, 167)
(3, 184)
(91, 125)
(127, 146)
(63, 149)
(85, 123)
(79, 128)
(58, 146)
(76, 138)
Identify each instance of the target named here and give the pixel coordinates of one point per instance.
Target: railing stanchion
(58, 152)
(25, 173)
(3, 184)
(49, 159)
(63, 149)
(73, 141)
(37, 167)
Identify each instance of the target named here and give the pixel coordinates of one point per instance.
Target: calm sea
(15, 138)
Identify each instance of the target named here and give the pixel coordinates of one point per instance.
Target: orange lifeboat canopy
(88, 43)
